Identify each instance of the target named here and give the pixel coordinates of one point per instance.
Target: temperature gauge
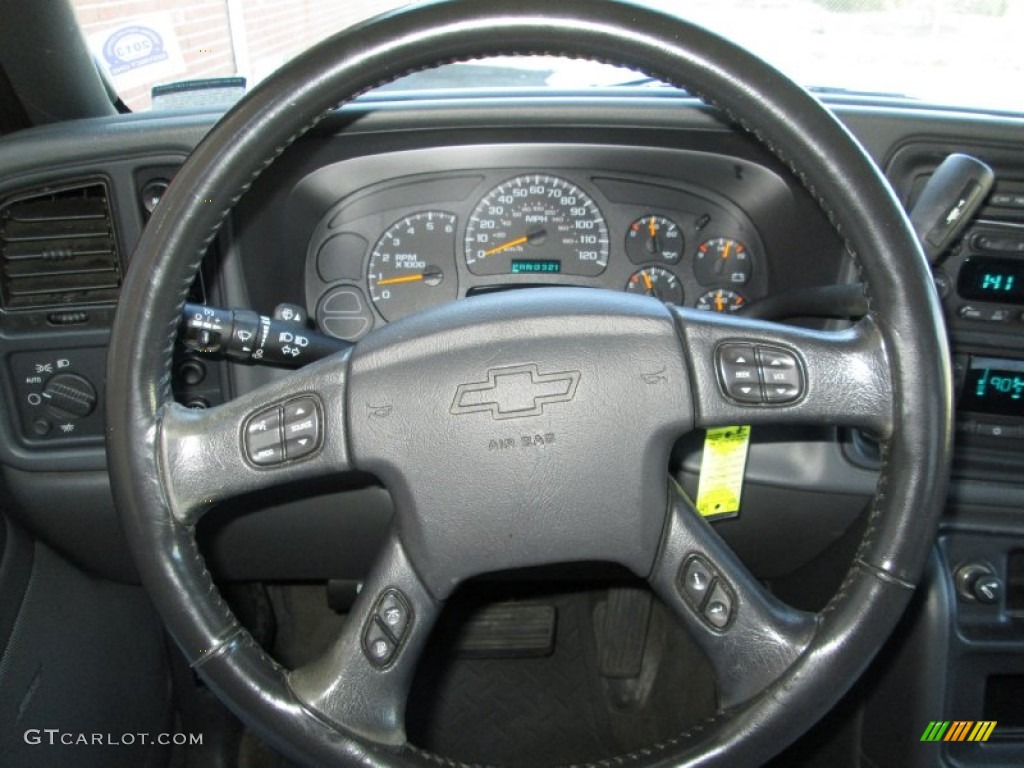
(656, 282)
(722, 300)
(654, 238)
(722, 260)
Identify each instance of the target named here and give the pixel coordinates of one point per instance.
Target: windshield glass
(947, 52)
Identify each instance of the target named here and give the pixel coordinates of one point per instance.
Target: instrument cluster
(410, 243)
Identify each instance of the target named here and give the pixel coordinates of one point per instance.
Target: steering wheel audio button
(738, 371)
(760, 374)
(301, 427)
(263, 438)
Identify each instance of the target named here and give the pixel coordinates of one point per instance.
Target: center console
(970, 618)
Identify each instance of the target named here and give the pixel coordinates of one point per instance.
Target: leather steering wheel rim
(904, 318)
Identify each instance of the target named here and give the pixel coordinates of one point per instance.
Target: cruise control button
(696, 581)
(718, 610)
(393, 613)
(377, 645)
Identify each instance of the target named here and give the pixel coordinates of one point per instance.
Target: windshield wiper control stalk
(245, 336)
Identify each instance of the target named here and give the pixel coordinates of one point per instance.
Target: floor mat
(557, 709)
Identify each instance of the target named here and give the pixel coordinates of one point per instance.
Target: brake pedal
(508, 631)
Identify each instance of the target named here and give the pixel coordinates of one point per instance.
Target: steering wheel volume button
(780, 374)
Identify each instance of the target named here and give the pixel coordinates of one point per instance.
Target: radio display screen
(992, 279)
(994, 385)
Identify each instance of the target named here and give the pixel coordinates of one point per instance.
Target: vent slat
(58, 249)
(32, 270)
(75, 283)
(26, 231)
(68, 208)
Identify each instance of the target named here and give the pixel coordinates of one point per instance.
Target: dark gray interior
(83, 648)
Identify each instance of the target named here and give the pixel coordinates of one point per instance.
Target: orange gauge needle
(651, 228)
(647, 281)
(719, 304)
(725, 253)
(405, 279)
(506, 246)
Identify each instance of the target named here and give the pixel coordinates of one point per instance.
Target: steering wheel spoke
(754, 372)
(290, 430)
(750, 637)
(375, 654)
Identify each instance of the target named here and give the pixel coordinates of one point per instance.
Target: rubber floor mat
(553, 710)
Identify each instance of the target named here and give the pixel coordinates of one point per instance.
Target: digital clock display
(536, 266)
(994, 385)
(992, 279)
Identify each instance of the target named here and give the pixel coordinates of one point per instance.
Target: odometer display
(536, 219)
(536, 267)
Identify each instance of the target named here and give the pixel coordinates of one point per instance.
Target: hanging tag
(721, 471)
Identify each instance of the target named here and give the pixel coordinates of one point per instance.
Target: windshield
(963, 53)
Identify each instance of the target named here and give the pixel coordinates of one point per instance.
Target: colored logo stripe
(958, 730)
(935, 730)
(982, 730)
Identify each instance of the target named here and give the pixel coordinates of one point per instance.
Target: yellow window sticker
(721, 471)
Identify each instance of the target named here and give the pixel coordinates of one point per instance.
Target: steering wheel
(572, 365)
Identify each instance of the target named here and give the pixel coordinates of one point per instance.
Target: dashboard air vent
(57, 248)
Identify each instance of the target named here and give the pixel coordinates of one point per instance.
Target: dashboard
(675, 225)
(391, 206)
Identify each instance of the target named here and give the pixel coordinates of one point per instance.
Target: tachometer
(412, 266)
(537, 225)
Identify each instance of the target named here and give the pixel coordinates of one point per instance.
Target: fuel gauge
(722, 300)
(656, 282)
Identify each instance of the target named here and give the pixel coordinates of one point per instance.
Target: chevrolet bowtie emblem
(515, 392)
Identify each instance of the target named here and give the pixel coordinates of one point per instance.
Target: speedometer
(537, 224)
